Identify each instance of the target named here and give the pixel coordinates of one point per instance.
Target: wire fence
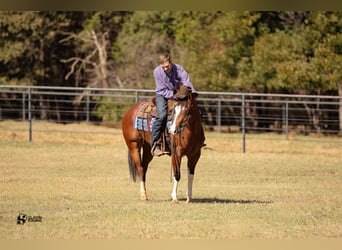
(224, 112)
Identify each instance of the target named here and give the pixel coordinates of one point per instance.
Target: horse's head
(181, 109)
(178, 117)
(183, 92)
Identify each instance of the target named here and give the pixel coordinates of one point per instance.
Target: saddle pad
(140, 123)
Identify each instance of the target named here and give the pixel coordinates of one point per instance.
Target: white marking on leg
(143, 195)
(174, 190)
(189, 191)
(142, 186)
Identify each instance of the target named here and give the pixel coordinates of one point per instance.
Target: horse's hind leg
(146, 159)
(136, 157)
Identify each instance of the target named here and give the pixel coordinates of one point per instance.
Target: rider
(168, 77)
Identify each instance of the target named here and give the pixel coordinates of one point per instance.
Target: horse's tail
(132, 168)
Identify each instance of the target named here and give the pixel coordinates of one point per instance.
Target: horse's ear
(194, 95)
(183, 92)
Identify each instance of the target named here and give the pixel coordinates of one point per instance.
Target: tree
(31, 52)
(303, 57)
(29, 46)
(324, 36)
(20, 47)
(92, 62)
(143, 35)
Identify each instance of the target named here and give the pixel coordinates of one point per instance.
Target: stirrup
(155, 150)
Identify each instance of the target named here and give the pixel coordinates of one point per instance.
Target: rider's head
(165, 62)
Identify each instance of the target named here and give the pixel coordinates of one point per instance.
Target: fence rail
(221, 111)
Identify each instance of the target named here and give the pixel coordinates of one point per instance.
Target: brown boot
(156, 151)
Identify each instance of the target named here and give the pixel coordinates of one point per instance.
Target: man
(168, 77)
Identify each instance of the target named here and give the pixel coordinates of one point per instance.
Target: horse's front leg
(176, 161)
(192, 161)
(174, 191)
(189, 190)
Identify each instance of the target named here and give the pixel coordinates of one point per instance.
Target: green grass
(80, 185)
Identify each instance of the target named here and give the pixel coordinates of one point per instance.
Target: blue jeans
(160, 121)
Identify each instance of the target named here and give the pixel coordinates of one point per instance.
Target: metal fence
(221, 111)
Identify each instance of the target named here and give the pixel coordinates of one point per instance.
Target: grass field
(79, 184)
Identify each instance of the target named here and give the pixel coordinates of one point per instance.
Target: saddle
(145, 118)
(148, 111)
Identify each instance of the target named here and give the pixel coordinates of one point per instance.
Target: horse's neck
(194, 108)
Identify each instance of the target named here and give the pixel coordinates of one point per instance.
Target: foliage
(110, 109)
(29, 46)
(142, 36)
(223, 50)
(255, 51)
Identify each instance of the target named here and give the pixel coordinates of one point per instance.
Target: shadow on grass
(229, 201)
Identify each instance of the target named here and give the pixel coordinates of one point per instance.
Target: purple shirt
(167, 83)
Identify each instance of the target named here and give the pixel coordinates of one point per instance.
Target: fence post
(287, 119)
(29, 113)
(219, 115)
(87, 107)
(243, 124)
(136, 96)
(24, 111)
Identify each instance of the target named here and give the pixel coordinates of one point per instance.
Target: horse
(185, 134)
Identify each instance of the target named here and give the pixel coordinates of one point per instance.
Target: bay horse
(186, 138)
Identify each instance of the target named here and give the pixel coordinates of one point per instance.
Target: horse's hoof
(189, 200)
(174, 201)
(143, 197)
